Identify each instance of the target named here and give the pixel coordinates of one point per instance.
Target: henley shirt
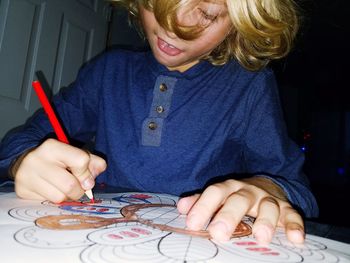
(172, 132)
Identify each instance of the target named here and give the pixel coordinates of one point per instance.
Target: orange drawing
(131, 213)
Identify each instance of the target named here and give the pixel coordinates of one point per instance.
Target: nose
(185, 17)
(188, 16)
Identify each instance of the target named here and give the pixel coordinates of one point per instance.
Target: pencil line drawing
(145, 227)
(160, 216)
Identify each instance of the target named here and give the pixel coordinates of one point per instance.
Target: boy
(199, 113)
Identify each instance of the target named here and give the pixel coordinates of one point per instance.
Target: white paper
(21, 240)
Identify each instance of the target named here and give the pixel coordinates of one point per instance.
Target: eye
(207, 16)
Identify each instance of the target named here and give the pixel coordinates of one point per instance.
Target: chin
(165, 62)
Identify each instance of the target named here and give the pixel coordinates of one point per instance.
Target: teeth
(165, 44)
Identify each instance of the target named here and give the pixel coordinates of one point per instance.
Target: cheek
(206, 43)
(215, 34)
(147, 18)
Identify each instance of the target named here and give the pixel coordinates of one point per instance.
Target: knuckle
(255, 189)
(82, 158)
(48, 143)
(71, 186)
(44, 147)
(216, 191)
(269, 201)
(233, 183)
(242, 193)
(243, 197)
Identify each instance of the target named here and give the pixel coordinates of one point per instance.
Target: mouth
(167, 48)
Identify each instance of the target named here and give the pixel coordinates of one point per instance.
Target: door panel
(52, 36)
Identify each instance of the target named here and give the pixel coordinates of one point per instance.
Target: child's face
(179, 54)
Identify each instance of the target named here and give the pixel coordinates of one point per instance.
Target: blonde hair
(263, 30)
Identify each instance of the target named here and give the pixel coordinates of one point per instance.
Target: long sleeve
(270, 152)
(76, 108)
(23, 138)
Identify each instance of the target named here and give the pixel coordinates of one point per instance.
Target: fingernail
(297, 235)
(263, 236)
(88, 183)
(219, 231)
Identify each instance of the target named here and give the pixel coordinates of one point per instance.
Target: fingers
(71, 158)
(294, 225)
(48, 192)
(185, 204)
(91, 166)
(225, 204)
(63, 183)
(227, 201)
(82, 164)
(51, 182)
(208, 203)
(37, 188)
(57, 171)
(228, 217)
(266, 221)
(61, 158)
(97, 165)
(25, 193)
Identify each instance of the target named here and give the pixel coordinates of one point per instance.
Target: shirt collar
(159, 69)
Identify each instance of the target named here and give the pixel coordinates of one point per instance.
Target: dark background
(315, 93)
(315, 96)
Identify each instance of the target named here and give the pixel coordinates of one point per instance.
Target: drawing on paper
(161, 216)
(142, 227)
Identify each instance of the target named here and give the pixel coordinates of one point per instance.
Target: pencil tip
(89, 194)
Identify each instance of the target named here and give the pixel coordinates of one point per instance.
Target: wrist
(16, 163)
(267, 185)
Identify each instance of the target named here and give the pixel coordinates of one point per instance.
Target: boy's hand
(56, 171)
(226, 203)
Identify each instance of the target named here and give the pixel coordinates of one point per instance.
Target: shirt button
(152, 125)
(160, 109)
(163, 87)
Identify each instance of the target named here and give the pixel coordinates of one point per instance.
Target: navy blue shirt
(171, 132)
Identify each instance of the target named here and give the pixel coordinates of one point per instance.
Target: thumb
(97, 165)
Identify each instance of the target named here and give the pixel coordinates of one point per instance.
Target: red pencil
(61, 136)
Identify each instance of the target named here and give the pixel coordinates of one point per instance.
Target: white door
(52, 36)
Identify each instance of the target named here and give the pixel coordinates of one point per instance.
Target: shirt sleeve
(76, 107)
(268, 151)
